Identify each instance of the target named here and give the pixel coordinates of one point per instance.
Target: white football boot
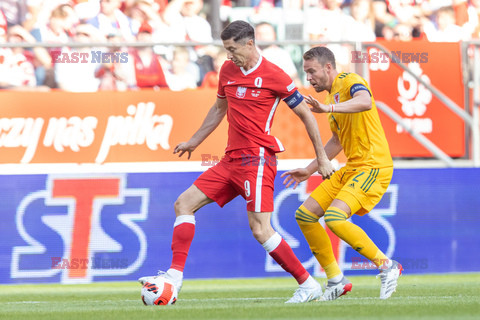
(389, 278)
(335, 290)
(307, 292)
(173, 275)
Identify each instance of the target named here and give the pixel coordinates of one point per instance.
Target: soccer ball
(159, 292)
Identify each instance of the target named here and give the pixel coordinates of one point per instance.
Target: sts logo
(374, 223)
(80, 228)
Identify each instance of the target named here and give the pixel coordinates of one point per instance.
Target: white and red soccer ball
(159, 292)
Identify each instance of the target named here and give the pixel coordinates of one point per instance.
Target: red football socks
(285, 257)
(181, 241)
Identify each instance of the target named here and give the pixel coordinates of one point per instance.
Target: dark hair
(238, 30)
(322, 54)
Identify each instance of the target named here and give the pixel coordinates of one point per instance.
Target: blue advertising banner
(104, 227)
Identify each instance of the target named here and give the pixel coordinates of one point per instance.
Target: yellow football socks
(318, 241)
(336, 220)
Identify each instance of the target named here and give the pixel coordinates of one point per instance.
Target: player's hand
(325, 168)
(295, 177)
(316, 106)
(183, 147)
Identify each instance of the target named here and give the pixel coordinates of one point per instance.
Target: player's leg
(307, 217)
(361, 197)
(255, 182)
(260, 224)
(185, 206)
(212, 185)
(336, 219)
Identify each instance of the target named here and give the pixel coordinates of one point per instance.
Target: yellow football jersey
(361, 134)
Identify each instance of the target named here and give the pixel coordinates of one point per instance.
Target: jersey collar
(247, 72)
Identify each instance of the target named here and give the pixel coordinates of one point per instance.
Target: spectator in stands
(59, 26)
(15, 11)
(265, 31)
(57, 30)
(158, 5)
(211, 78)
(16, 68)
(3, 24)
(39, 56)
(183, 73)
(444, 28)
(472, 24)
(111, 20)
(186, 24)
(461, 11)
(265, 4)
(407, 12)
(40, 11)
(363, 28)
(384, 20)
(148, 66)
(389, 13)
(145, 11)
(403, 32)
(87, 9)
(141, 11)
(399, 32)
(77, 76)
(327, 22)
(117, 73)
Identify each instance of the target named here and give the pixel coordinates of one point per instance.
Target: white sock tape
(186, 218)
(272, 243)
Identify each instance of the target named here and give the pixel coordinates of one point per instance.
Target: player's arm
(324, 166)
(295, 176)
(332, 149)
(361, 101)
(210, 123)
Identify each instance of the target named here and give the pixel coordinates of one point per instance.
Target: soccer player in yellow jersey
(358, 186)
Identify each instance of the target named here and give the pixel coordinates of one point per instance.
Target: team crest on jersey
(241, 91)
(255, 93)
(336, 97)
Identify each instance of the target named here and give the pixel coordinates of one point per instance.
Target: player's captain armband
(294, 99)
(357, 87)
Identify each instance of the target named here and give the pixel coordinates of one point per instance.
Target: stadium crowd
(172, 67)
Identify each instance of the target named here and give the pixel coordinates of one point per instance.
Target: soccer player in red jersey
(249, 91)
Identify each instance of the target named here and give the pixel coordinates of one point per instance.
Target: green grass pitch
(450, 296)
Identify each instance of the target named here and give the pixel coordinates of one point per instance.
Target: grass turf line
(450, 296)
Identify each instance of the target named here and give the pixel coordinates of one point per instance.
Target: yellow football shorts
(360, 188)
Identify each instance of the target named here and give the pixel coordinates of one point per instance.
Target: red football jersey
(253, 97)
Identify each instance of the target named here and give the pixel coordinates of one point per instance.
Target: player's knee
(257, 231)
(303, 216)
(181, 206)
(261, 233)
(335, 217)
(178, 206)
(258, 234)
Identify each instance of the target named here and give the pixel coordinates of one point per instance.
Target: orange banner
(436, 63)
(136, 126)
